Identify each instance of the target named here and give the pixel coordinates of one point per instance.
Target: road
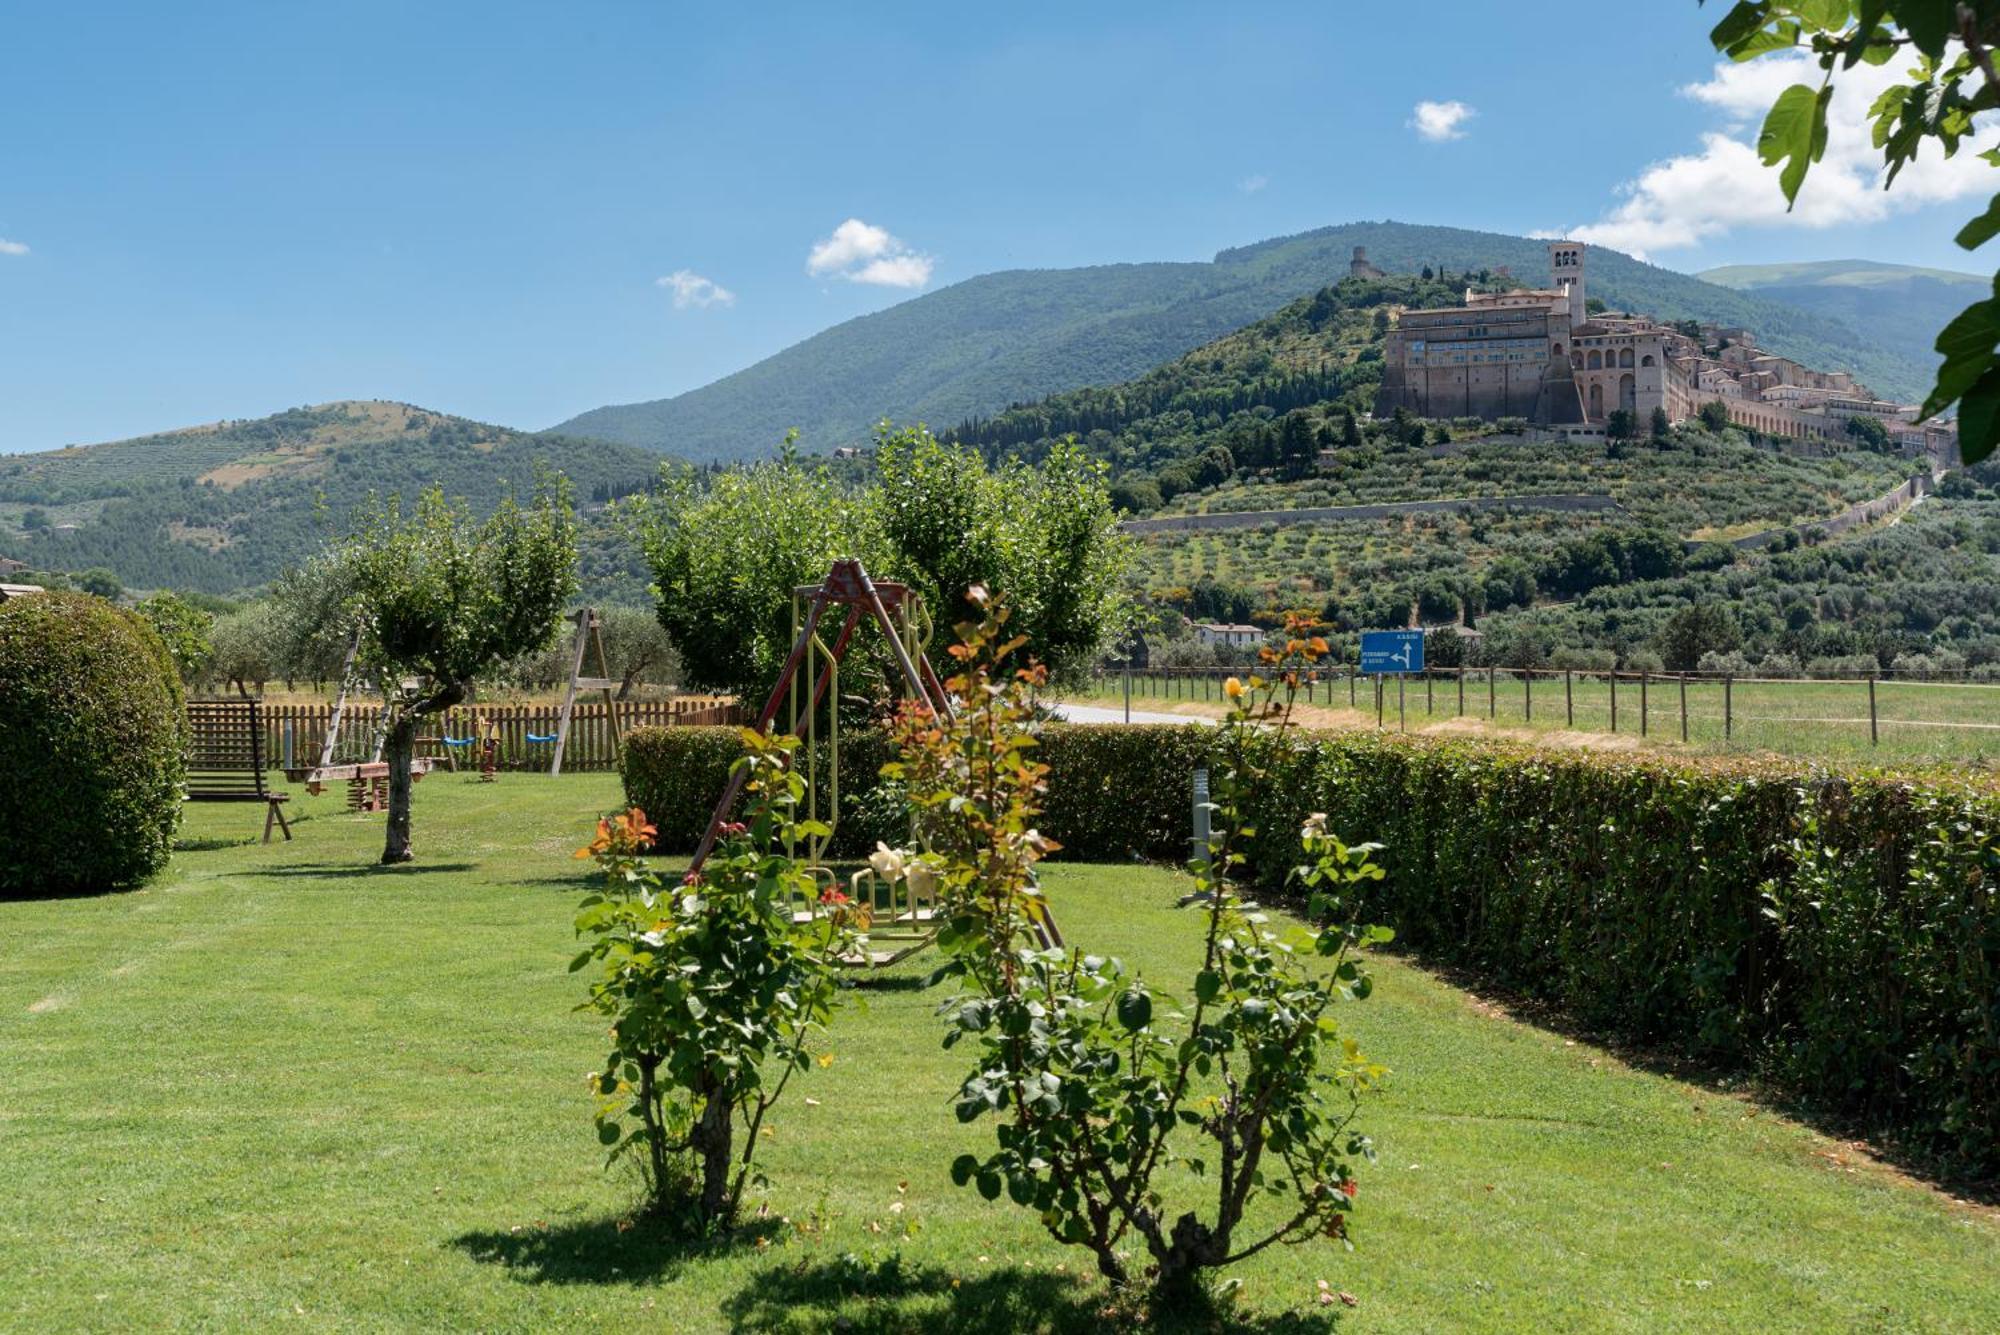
(1075, 713)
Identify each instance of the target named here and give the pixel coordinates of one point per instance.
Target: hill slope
(1903, 306)
(227, 506)
(975, 347)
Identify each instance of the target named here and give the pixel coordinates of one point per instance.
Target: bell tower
(1566, 273)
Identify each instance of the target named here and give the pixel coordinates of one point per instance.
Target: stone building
(1537, 353)
(1359, 267)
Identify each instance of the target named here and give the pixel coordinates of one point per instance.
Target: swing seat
(458, 741)
(541, 738)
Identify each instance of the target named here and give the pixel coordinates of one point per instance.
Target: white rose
(887, 863)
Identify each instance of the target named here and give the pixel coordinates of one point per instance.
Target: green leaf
(1795, 134)
(1135, 1009)
(1739, 24)
(1966, 344)
(1928, 22)
(1979, 416)
(989, 1185)
(962, 1169)
(607, 1133)
(1207, 985)
(1981, 229)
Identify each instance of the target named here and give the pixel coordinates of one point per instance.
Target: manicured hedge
(1837, 932)
(93, 746)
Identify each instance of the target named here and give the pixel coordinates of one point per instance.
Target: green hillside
(973, 348)
(225, 507)
(1901, 306)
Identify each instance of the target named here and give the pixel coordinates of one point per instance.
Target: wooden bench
(226, 758)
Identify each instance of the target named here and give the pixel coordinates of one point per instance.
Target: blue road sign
(1392, 651)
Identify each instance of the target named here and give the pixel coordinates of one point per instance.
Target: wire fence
(1888, 715)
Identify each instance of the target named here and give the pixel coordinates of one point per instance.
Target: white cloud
(1251, 184)
(1689, 198)
(864, 253)
(691, 289)
(1439, 121)
(12, 247)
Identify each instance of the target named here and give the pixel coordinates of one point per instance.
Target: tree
(1714, 415)
(1694, 630)
(101, 582)
(1946, 47)
(184, 630)
(1662, 426)
(247, 647)
(726, 551)
(1350, 431)
(1043, 534)
(444, 599)
(34, 517)
(637, 646)
(1620, 424)
(1871, 433)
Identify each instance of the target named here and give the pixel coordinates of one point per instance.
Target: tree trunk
(398, 749)
(711, 1138)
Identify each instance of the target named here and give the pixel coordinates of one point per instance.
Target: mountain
(225, 507)
(1902, 306)
(973, 348)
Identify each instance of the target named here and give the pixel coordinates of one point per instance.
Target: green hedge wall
(1837, 932)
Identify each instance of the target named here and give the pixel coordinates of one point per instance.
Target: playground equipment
(487, 738)
(899, 911)
(367, 780)
(587, 624)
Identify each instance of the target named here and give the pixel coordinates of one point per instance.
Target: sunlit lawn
(283, 1087)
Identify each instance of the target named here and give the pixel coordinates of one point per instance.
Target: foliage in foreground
(712, 990)
(1101, 1080)
(1948, 89)
(93, 746)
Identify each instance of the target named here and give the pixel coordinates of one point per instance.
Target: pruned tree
(443, 599)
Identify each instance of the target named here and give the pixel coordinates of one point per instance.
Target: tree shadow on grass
(892, 1295)
(343, 871)
(611, 1250)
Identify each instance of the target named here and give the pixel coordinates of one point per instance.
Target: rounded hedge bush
(93, 746)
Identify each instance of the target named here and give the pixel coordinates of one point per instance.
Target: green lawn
(284, 1087)
(1916, 722)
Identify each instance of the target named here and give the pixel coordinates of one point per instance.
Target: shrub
(93, 746)
(712, 988)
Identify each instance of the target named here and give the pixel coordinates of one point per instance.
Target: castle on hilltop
(1540, 354)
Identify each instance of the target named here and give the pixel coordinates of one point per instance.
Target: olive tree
(442, 599)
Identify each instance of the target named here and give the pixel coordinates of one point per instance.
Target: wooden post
(1874, 735)
(1491, 711)
(1642, 701)
(1612, 677)
(1527, 695)
(1429, 694)
(1461, 693)
(1402, 722)
(1728, 707)
(1569, 700)
(1128, 692)
(1684, 706)
(1350, 687)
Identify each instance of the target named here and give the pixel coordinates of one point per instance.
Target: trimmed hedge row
(1838, 932)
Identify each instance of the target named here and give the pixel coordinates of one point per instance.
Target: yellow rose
(1232, 688)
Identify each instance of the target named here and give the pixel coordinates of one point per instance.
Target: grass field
(284, 1088)
(1916, 722)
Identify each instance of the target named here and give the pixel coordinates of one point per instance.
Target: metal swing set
(902, 916)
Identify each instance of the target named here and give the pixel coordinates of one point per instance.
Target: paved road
(1075, 713)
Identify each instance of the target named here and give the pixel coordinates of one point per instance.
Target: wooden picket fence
(293, 734)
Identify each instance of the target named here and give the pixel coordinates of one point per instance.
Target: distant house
(9, 566)
(1230, 635)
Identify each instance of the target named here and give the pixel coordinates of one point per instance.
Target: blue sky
(520, 212)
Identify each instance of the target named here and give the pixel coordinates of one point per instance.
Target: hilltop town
(1543, 355)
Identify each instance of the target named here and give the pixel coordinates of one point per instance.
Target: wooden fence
(293, 734)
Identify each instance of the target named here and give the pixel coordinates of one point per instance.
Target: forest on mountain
(226, 507)
(971, 349)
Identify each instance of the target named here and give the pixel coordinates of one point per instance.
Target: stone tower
(1566, 273)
